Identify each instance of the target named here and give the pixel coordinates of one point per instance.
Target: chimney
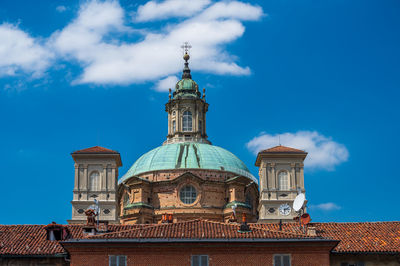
(244, 227)
(170, 218)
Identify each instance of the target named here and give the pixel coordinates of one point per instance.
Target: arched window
(187, 121)
(283, 180)
(173, 126)
(94, 181)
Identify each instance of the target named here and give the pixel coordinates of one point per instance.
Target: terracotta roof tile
(27, 240)
(32, 239)
(282, 149)
(202, 229)
(363, 237)
(95, 149)
(354, 237)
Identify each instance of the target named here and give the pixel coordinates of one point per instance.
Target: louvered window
(94, 181)
(283, 180)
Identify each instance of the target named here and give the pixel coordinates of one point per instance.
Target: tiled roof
(354, 237)
(95, 149)
(32, 239)
(202, 229)
(27, 240)
(363, 237)
(282, 149)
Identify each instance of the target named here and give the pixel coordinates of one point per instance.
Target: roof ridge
(374, 222)
(139, 226)
(147, 226)
(276, 231)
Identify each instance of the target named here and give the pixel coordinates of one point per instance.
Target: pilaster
(76, 185)
(292, 176)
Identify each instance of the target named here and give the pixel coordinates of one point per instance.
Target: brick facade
(307, 254)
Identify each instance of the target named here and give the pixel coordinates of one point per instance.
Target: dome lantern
(186, 108)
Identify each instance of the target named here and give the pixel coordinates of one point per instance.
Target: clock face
(284, 209)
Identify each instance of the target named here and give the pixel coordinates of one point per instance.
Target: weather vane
(186, 47)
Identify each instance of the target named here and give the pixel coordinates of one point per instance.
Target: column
(196, 110)
(113, 179)
(302, 176)
(85, 177)
(273, 177)
(178, 119)
(104, 177)
(293, 176)
(76, 185)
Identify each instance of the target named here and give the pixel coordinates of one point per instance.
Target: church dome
(188, 155)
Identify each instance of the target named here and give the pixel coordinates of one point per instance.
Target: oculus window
(188, 194)
(187, 121)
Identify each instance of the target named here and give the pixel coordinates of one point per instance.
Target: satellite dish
(305, 219)
(299, 202)
(234, 208)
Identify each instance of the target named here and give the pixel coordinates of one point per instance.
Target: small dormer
(56, 232)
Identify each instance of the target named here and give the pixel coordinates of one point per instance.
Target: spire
(186, 70)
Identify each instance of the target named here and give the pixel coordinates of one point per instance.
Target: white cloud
(329, 206)
(166, 84)
(153, 10)
(20, 53)
(232, 10)
(111, 50)
(107, 60)
(323, 152)
(61, 9)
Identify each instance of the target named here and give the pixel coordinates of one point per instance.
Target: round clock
(284, 209)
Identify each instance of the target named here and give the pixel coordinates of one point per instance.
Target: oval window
(188, 194)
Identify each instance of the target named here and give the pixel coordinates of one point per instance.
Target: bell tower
(186, 109)
(96, 177)
(281, 179)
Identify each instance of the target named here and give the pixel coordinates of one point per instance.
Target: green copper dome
(188, 155)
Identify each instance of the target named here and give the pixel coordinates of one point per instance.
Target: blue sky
(324, 75)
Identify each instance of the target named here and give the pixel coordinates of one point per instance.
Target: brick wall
(307, 254)
(32, 261)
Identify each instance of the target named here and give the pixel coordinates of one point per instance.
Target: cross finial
(186, 47)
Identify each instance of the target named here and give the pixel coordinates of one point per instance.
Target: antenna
(96, 209)
(279, 140)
